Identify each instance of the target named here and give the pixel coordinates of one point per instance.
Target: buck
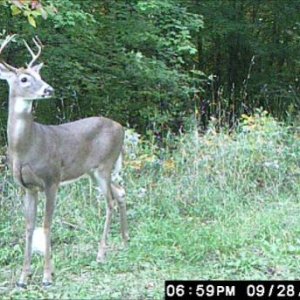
(44, 157)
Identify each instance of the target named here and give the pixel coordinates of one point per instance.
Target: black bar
(206, 289)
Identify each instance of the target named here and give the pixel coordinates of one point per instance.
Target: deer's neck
(20, 126)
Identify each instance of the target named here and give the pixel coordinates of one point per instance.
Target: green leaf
(15, 10)
(31, 21)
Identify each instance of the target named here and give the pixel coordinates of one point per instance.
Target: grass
(220, 206)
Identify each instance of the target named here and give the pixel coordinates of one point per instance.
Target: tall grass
(213, 206)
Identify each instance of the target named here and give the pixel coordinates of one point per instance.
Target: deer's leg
(50, 205)
(30, 208)
(105, 185)
(119, 194)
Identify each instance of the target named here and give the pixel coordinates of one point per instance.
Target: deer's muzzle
(48, 92)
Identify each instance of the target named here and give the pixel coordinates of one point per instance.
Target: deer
(43, 157)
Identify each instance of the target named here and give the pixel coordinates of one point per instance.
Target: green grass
(220, 206)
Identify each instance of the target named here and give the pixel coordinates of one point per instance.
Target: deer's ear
(37, 68)
(5, 73)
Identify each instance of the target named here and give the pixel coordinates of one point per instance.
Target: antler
(39, 45)
(6, 41)
(4, 44)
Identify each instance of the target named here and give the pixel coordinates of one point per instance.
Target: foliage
(251, 49)
(31, 9)
(219, 206)
(134, 64)
(144, 62)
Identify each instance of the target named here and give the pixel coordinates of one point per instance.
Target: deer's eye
(24, 79)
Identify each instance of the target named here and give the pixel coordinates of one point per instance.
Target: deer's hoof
(47, 284)
(21, 285)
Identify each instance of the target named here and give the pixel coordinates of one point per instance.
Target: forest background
(152, 64)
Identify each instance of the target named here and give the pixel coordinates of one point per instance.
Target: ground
(222, 207)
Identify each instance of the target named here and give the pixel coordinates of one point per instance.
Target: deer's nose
(48, 91)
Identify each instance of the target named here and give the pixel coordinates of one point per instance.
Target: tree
(251, 49)
(152, 64)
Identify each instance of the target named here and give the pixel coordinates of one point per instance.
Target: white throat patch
(22, 106)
